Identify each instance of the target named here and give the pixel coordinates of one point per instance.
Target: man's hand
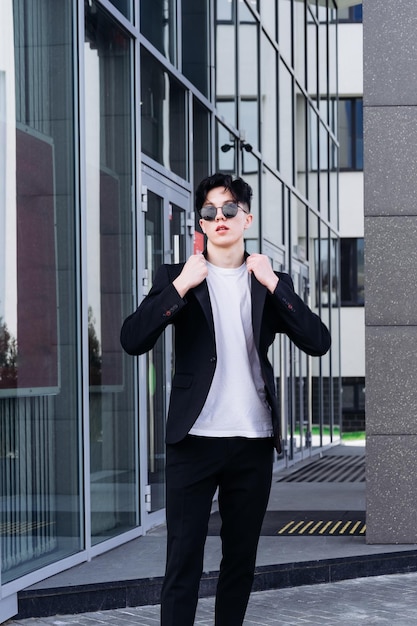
(193, 273)
(260, 265)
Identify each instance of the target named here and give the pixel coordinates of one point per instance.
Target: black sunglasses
(208, 212)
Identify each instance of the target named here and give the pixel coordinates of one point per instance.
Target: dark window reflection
(163, 116)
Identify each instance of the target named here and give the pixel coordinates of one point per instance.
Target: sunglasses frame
(212, 217)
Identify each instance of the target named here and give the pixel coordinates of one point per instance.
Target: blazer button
(213, 359)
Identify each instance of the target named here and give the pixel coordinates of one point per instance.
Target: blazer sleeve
(141, 329)
(302, 326)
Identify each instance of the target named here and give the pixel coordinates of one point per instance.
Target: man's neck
(231, 257)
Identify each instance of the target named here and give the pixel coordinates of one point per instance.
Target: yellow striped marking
(305, 527)
(335, 527)
(331, 527)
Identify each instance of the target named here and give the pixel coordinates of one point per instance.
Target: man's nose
(219, 214)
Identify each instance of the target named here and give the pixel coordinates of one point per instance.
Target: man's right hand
(193, 273)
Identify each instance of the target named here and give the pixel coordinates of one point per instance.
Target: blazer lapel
(201, 292)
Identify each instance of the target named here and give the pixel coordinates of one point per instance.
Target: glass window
(300, 34)
(313, 157)
(201, 141)
(269, 103)
(124, 6)
(312, 56)
(269, 17)
(250, 172)
(332, 60)
(298, 227)
(351, 14)
(40, 421)
(248, 77)
(301, 142)
(249, 123)
(285, 30)
(350, 117)
(352, 271)
(158, 25)
(323, 65)
(164, 136)
(195, 43)
(326, 261)
(225, 63)
(353, 397)
(226, 150)
(273, 213)
(109, 180)
(333, 186)
(225, 10)
(286, 124)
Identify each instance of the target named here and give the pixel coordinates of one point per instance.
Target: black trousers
(242, 470)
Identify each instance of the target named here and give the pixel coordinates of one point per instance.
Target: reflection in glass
(195, 43)
(324, 171)
(225, 10)
(312, 56)
(250, 172)
(298, 217)
(201, 137)
(301, 142)
(158, 25)
(286, 124)
(300, 43)
(39, 416)
(226, 150)
(269, 103)
(109, 261)
(225, 62)
(248, 77)
(285, 30)
(124, 6)
(313, 158)
(273, 216)
(164, 136)
(269, 17)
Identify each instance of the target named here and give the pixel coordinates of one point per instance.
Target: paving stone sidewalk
(389, 600)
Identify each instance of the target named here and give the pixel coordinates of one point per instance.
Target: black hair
(240, 190)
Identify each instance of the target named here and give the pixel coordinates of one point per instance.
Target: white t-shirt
(236, 405)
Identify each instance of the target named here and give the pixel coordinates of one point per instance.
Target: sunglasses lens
(208, 212)
(230, 209)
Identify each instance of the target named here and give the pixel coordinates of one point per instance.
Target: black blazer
(195, 346)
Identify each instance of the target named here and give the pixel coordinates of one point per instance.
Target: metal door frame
(171, 193)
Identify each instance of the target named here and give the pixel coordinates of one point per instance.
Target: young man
(223, 419)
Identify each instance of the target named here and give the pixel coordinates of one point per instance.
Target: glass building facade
(110, 113)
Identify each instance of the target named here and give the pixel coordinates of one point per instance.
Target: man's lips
(221, 227)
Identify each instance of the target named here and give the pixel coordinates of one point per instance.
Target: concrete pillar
(390, 152)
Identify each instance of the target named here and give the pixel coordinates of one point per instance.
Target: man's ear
(248, 220)
(201, 222)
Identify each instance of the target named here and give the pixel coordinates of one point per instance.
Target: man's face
(223, 231)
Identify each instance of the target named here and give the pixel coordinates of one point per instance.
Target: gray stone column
(390, 127)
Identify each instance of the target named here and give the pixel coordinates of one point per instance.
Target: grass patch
(360, 435)
(350, 436)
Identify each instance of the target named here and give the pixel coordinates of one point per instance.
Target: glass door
(168, 233)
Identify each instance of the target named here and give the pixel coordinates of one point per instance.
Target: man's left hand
(260, 265)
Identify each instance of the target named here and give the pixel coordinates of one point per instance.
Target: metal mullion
(178, 43)
(123, 21)
(82, 321)
(138, 265)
